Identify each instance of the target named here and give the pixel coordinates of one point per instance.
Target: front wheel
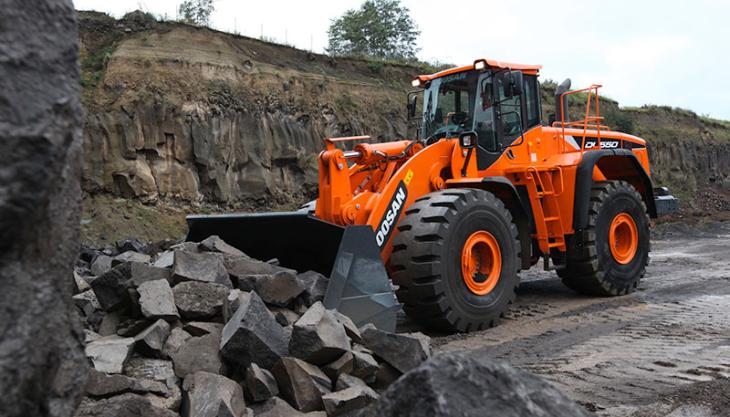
(615, 252)
(455, 260)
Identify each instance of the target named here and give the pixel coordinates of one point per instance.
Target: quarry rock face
(40, 168)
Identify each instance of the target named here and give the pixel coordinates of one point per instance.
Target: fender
(584, 181)
(517, 203)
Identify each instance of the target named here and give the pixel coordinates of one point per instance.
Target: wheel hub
(481, 262)
(623, 238)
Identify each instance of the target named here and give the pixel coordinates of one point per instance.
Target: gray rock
(101, 265)
(199, 300)
(216, 244)
(156, 300)
(130, 256)
(100, 384)
(342, 365)
(403, 351)
(210, 395)
(177, 338)
(185, 247)
(385, 376)
(109, 323)
(87, 302)
(241, 267)
(350, 328)
(130, 244)
(247, 283)
(108, 354)
(201, 328)
(315, 286)
(279, 289)
(459, 384)
(259, 384)
(111, 288)
(155, 369)
(125, 405)
(276, 407)
(171, 400)
(198, 354)
(350, 399)
(284, 316)
(345, 381)
(90, 336)
(141, 272)
(252, 335)
(205, 267)
(231, 303)
(131, 327)
(165, 259)
(151, 340)
(318, 337)
(80, 282)
(301, 384)
(364, 364)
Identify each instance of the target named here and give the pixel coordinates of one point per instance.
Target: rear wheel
(614, 255)
(455, 260)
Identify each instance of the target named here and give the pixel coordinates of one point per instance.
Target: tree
(195, 12)
(379, 28)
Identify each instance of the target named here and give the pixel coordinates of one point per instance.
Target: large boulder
(276, 407)
(199, 300)
(315, 286)
(155, 369)
(460, 384)
(108, 354)
(125, 405)
(401, 350)
(157, 300)
(210, 395)
(252, 335)
(301, 384)
(101, 264)
(204, 266)
(318, 337)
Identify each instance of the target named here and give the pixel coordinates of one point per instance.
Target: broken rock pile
(203, 330)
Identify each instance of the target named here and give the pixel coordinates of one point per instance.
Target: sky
(670, 52)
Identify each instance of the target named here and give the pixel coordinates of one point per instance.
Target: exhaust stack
(562, 88)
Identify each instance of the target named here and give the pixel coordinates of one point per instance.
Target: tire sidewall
(472, 219)
(621, 201)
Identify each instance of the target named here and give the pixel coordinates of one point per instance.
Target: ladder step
(552, 219)
(555, 244)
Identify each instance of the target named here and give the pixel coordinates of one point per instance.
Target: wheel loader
(448, 220)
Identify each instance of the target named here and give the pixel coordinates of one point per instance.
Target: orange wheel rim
(481, 262)
(623, 238)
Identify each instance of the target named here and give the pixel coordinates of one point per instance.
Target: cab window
(510, 114)
(531, 92)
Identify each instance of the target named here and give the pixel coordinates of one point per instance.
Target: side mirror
(468, 140)
(412, 105)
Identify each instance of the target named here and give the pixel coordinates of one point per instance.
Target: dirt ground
(662, 351)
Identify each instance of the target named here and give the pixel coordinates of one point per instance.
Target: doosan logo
(605, 144)
(395, 208)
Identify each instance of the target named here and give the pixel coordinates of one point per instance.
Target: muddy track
(633, 355)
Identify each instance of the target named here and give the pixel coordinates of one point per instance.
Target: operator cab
(497, 101)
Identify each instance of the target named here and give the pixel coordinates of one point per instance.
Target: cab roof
(491, 63)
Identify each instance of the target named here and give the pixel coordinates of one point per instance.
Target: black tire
(593, 269)
(426, 259)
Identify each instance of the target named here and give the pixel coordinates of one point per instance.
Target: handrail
(593, 122)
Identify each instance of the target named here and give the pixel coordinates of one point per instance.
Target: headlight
(416, 82)
(480, 65)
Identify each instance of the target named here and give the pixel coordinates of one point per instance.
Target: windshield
(448, 105)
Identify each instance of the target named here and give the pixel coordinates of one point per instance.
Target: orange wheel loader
(451, 217)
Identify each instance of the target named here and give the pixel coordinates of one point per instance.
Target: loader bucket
(358, 287)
